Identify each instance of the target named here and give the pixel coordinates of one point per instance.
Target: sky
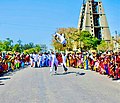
(36, 20)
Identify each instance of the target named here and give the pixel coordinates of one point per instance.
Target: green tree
(76, 39)
(88, 40)
(7, 44)
(17, 48)
(20, 45)
(32, 49)
(37, 48)
(28, 46)
(1, 46)
(103, 46)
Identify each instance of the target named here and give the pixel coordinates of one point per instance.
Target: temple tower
(93, 19)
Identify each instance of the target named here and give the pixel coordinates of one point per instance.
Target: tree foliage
(7, 45)
(76, 39)
(103, 46)
(71, 35)
(16, 48)
(88, 40)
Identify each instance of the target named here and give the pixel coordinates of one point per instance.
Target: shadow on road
(4, 78)
(9, 73)
(1, 83)
(77, 73)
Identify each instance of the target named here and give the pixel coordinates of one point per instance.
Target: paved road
(33, 85)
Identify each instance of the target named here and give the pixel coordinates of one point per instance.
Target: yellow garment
(67, 63)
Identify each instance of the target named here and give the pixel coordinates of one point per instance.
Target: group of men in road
(51, 60)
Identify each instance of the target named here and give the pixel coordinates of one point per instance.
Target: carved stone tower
(93, 19)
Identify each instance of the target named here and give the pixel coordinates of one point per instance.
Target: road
(36, 85)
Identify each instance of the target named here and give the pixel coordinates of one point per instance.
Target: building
(116, 43)
(93, 19)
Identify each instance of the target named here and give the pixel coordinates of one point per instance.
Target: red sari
(102, 70)
(118, 73)
(5, 66)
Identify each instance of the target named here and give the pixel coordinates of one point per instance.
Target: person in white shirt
(40, 60)
(50, 59)
(64, 62)
(60, 38)
(36, 59)
(54, 63)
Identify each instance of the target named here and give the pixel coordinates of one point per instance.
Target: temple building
(93, 19)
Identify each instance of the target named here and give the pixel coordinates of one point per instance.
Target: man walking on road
(54, 63)
(64, 62)
(36, 59)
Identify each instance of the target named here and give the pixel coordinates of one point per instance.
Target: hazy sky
(35, 20)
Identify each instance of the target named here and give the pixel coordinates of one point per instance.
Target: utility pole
(116, 35)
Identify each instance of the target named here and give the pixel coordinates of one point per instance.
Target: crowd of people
(107, 63)
(12, 61)
(51, 60)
